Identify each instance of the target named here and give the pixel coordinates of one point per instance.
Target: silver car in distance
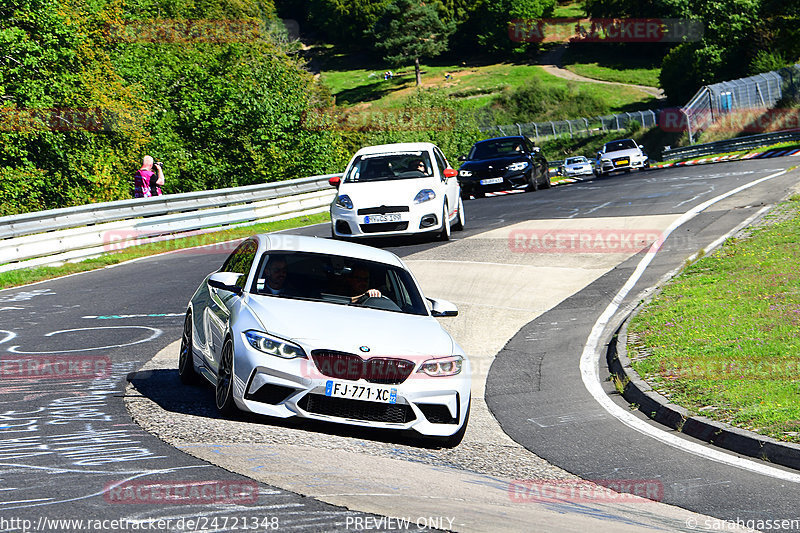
(326, 330)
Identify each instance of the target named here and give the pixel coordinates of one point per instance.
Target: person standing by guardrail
(144, 186)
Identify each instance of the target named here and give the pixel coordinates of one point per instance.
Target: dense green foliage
(536, 102)
(221, 102)
(408, 31)
(216, 90)
(741, 38)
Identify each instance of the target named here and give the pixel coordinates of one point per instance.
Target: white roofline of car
(287, 242)
(393, 148)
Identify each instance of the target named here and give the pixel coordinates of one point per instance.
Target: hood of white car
(631, 152)
(387, 192)
(578, 165)
(318, 325)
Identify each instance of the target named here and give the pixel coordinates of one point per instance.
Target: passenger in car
(276, 271)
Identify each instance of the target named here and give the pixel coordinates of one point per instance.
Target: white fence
(74, 233)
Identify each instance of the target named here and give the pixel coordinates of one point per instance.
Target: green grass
(569, 9)
(24, 276)
(472, 85)
(613, 62)
(723, 334)
(635, 76)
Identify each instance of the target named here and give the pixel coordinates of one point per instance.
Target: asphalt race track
(70, 450)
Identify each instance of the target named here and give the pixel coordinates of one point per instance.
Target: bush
(538, 102)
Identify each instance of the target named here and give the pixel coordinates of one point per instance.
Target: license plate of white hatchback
(375, 219)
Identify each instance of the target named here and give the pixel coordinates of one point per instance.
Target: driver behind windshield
(418, 165)
(358, 285)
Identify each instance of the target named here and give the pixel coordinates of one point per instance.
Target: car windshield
(498, 148)
(337, 280)
(381, 167)
(575, 160)
(625, 144)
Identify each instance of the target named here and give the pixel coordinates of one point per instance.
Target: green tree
(488, 22)
(409, 30)
(344, 22)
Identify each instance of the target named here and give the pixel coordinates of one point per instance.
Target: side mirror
(641, 147)
(462, 158)
(450, 173)
(335, 181)
(537, 149)
(225, 281)
(442, 308)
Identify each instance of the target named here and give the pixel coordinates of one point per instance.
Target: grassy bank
(613, 62)
(473, 85)
(721, 339)
(30, 275)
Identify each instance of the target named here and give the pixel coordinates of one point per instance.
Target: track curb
(658, 408)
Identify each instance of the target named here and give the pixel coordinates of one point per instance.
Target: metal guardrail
(730, 145)
(54, 236)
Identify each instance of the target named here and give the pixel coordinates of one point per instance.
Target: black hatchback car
(502, 164)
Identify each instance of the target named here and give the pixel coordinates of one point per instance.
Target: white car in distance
(622, 154)
(576, 166)
(397, 189)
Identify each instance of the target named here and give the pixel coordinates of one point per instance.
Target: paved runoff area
(488, 479)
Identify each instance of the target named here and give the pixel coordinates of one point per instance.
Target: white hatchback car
(397, 189)
(326, 330)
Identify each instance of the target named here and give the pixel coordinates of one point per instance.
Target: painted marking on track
(9, 335)
(151, 315)
(590, 359)
(27, 295)
(570, 418)
(154, 335)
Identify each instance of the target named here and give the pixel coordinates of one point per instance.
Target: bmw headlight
(344, 201)
(517, 166)
(445, 366)
(273, 346)
(424, 195)
(465, 173)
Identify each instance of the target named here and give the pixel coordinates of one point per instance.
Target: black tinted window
(380, 167)
(498, 148)
(335, 280)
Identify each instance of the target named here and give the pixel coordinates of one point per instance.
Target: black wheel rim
(224, 376)
(184, 358)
